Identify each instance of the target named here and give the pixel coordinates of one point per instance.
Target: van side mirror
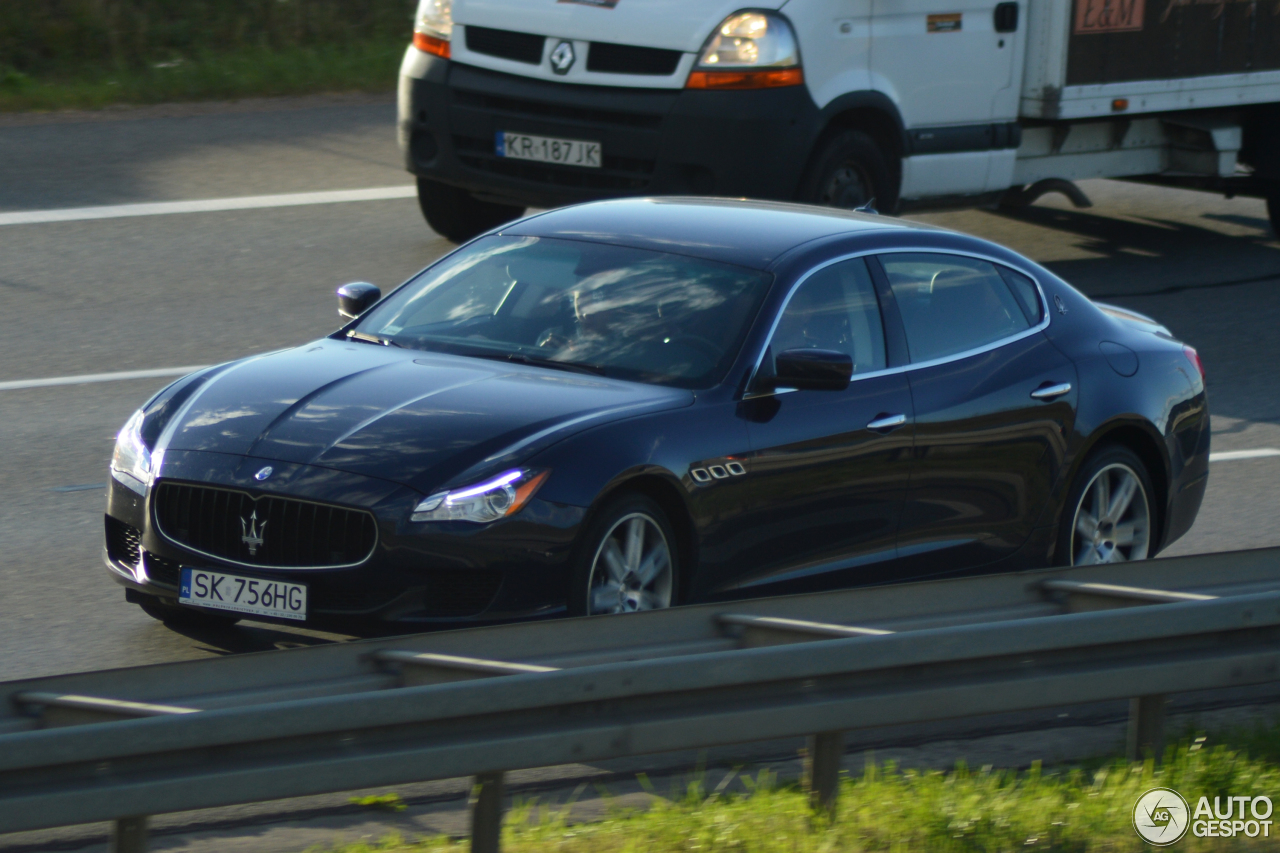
(356, 298)
(813, 370)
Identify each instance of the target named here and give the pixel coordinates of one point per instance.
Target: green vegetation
(1081, 808)
(89, 53)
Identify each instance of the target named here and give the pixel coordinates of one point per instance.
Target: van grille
(519, 108)
(609, 58)
(294, 534)
(520, 47)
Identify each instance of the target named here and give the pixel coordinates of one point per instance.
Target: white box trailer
(506, 104)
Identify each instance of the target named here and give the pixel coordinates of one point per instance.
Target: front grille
(518, 108)
(266, 531)
(124, 543)
(504, 44)
(626, 59)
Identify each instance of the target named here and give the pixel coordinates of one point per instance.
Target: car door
(994, 401)
(828, 468)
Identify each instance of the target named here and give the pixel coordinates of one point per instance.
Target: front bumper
(655, 141)
(418, 576)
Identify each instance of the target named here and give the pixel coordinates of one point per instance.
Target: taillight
(1194, 358)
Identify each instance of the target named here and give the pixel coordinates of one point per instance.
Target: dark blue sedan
(633, 404)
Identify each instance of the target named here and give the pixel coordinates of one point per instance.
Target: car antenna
(869, 207)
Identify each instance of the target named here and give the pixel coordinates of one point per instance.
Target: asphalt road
(196, 288)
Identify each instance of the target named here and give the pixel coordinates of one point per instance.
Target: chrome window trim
(889, 371)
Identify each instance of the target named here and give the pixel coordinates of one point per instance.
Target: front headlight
(502, 496)
(132, 463)
(433, 27)
(750, 40)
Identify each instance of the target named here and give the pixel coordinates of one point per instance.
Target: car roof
(736, 231)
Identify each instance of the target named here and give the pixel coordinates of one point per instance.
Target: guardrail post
(822, 769)
(129, 835)
(1146, 727)
(486, 814)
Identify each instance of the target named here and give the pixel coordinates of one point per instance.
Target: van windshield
(627, 313)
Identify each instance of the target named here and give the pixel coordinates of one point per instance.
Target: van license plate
(545, 149)
(251, 596)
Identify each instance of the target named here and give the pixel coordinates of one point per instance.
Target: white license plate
(252, 596)
(545, 149)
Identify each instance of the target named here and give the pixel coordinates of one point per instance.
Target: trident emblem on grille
(252, 532)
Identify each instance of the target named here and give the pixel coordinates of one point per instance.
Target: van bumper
(752, 143)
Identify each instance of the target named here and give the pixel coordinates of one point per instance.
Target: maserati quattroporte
(634, 404)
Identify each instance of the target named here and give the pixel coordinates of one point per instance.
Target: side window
(950, 303)
(1027, 293)
(835, 309)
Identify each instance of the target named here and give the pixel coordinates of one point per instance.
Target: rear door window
(951, 304)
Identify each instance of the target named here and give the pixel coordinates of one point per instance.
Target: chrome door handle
(887, 423)
(1052, 392)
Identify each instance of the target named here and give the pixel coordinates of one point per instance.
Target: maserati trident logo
(252, 533)
(263, 474)
(562, 58)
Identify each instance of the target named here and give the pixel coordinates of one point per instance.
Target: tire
(456, 215)
(1273, 211)
(185, 617)
(628, 582)
(849, 171)
(1131, 534)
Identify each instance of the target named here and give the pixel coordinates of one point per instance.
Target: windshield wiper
(372, 339)
(571, 366)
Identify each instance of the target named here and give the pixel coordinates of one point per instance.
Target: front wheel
(456, 215)
(1110, 518)
(850, 171)
(627, 560)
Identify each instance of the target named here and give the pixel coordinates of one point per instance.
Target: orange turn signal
(772, 79)
(431, 44)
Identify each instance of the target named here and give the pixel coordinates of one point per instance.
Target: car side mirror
(813, 370)
(356, 298)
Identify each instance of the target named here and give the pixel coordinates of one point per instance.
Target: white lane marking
(161, 208)
(1231, 455)
(87, 378)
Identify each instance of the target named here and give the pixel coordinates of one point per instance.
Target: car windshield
(626, 313)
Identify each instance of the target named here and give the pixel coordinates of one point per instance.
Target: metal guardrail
(484, 701)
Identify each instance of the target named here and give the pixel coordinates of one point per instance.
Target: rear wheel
(1111, 517)
(849, 171)
(627, 560)
(184, 617)
(456, 215)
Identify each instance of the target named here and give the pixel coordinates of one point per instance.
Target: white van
(507, 104)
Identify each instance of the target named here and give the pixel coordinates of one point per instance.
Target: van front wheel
(849, 171)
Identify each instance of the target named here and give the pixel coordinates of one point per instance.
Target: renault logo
(562, 58)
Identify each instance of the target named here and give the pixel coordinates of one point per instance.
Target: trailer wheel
(850, 171)
(456, 215)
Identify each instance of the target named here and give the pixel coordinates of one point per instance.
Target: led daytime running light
(500, 497)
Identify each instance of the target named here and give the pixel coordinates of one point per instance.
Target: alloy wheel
(631, 570)
(1113, 519)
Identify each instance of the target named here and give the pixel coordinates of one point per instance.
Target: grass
(1080, 808)
(368, 66)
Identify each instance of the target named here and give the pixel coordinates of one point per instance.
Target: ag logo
(1161, 817)
(562, 58)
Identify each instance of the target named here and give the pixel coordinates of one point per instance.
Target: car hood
(672, 24)
(412, 417)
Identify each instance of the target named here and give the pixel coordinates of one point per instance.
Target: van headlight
(495, 498)
(749, 50)
(132, 463)
(433, 27)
